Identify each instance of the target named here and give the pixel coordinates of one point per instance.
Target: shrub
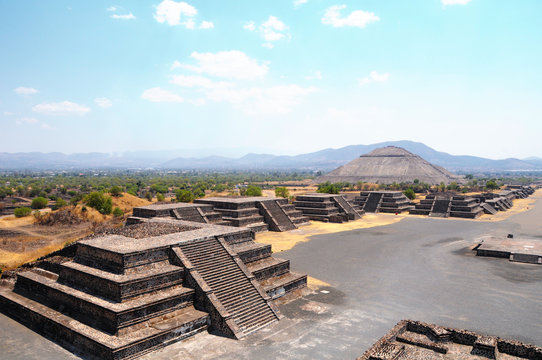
(100, 202)
(253, 190)
(116, 191)
(39, 203)
(492, 185)
(59, 203)
(22, 211)
(184, 195)
(282, 191)
(159, 197)
(148, 195)
(117, 212)
(409, 193)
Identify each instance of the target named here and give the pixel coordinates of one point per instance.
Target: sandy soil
(127, 202)
(281, 241)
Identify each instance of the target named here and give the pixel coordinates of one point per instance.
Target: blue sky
(285, 77)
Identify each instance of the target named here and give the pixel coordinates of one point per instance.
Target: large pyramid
(387, 165)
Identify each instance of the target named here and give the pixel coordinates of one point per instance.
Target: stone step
(96, 311)
(269, 267)
(118, 287)
(258, 227)
(102, 257)
(244, 221)
(95, 344)
(279, 286)
(252, 251)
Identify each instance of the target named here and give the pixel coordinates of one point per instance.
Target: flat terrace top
(514, 245)
(125, 245)
(413, 340)
(237, 199)
(169, 206)
(320, 195)
(383, 192)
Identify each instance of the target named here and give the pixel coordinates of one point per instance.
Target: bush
(281, 191)
(409, 193)
(100, 202)
(184, 195)
(253, 190)
(159, 197)
(59, 203)
(491, 185)
(22, 211)
(148, 195)
(116, 191)
(117, 212)
(39, 203)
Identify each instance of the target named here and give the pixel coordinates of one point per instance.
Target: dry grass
(127, 202)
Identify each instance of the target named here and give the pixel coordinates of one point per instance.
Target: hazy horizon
(283, 78)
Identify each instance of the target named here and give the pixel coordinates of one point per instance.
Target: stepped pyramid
(387, 165)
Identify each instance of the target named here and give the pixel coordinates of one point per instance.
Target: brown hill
(387, 165)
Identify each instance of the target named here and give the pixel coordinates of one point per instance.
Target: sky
(280, 77)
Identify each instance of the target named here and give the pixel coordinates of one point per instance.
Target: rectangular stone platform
(413, 340)
(383, 201)
(515, 249)
(327, 207)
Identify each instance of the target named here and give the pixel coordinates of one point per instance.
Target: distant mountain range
(324, 160)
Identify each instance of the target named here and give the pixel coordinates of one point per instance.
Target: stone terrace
(382, 201)
(256, 213)
(514, 249)
(122, 297)
(413, 340)
(327, 208)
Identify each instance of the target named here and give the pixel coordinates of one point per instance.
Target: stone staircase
(245, 307)
(441, 208)
(135, 303)
(372, 202)
(275, 216)
(347, 208)
(488, 209)
(424, 207)
(382, 201)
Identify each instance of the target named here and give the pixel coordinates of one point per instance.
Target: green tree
(328, 188)
(159, 197)
(22, 211)
(282, 191)
(59, 203)
(39, 203)
(491, 185)
(148, 195)
(116, 191)
(409, 193)
(184, 195)
(253, 190)
(100, 202)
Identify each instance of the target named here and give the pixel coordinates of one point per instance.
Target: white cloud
(103, 102)
(455, 2)
(270, 30)
(157, 94)
(357, 18)
(206, 25)
(316, 76)
(112, 8)
(198, 81)
(8, 113)
(179, 13)
(129, 16)
(276, 99)
(375, 77)
(27, 120)
(31, 121)
(300, 2)
(21, 90)
(228, 64)
(250, 26)
(61, 108)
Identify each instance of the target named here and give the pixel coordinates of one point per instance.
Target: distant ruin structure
(388, 165)
(410, 340)
(382, 201)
